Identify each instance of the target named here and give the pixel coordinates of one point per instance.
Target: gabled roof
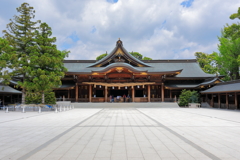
(212, 81)
(232, 86)
(119, 54)
(194, 86)
(189, 69)
(125, 65)
(8, 90)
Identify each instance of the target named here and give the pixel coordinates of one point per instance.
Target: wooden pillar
(76, 92)
(206, 100)
(90, 93)
(227, 100)
(149, 93)
(106, 93)
(212, 101)
(236, 100)
(162, 88)
(219, 100)
(68, 93)
(133, 94)
(170, 93)
(3, 101)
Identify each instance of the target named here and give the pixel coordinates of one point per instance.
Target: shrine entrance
(119, 92)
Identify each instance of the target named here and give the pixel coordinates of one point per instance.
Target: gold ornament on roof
(119, 69)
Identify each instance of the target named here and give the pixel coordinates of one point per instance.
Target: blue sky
(160, 29)
(187, 3)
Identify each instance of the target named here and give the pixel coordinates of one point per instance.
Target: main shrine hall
(120, 73)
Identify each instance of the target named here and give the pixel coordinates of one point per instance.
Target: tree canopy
(46, 63)
(101, 56)
(135, 54)
(227, 61)
(21, 35)
(236, 15)
(207, 62)
(29, 53)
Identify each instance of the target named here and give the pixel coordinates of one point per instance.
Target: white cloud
(158, 29)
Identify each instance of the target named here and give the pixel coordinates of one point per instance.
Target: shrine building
(121, 73)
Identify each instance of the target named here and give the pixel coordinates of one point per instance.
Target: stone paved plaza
(129, 133)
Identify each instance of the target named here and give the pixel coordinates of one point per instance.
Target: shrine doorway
(119, 92)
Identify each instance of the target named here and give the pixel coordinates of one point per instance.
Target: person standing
(110, 98)
(124, 98)
(128, 98)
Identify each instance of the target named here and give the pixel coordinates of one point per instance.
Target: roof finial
(118, 38)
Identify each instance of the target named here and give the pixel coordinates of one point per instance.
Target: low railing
(27, 108)
(232, 106)
(169, 100)
(223, 105)
(66, 99)
(215, 105)
(156, 99)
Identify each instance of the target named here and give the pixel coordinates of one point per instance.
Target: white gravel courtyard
(121, 133)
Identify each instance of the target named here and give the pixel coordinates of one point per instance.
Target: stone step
(127, 105)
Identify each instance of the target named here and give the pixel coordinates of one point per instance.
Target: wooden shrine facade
(120, 73)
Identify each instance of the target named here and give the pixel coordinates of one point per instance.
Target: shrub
(36, 98)
(188, 96)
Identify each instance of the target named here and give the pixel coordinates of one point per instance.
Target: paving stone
(121, 133)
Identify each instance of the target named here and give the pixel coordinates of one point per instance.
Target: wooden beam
(133, 94)
(227, 100)
(236, 100)
(90, 93)
(162, 94)
(106, 93)
(76, 92)
(119, 84)
(219, 100)
(212, 101)
(149, 93)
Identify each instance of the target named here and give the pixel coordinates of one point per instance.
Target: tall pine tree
(46, 64)
(20, 34)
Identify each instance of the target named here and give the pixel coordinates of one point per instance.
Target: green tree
(136, 55)
(36, 98)
(146, 58)
(101, 56)
(236, 15)
(229, 51)
(188, 96)
(208, 62)
(20, 35)
(46, 63)
(5, 59)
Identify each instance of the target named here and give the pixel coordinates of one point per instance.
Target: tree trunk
(237, 72)
(43, 98)
(23, 95)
